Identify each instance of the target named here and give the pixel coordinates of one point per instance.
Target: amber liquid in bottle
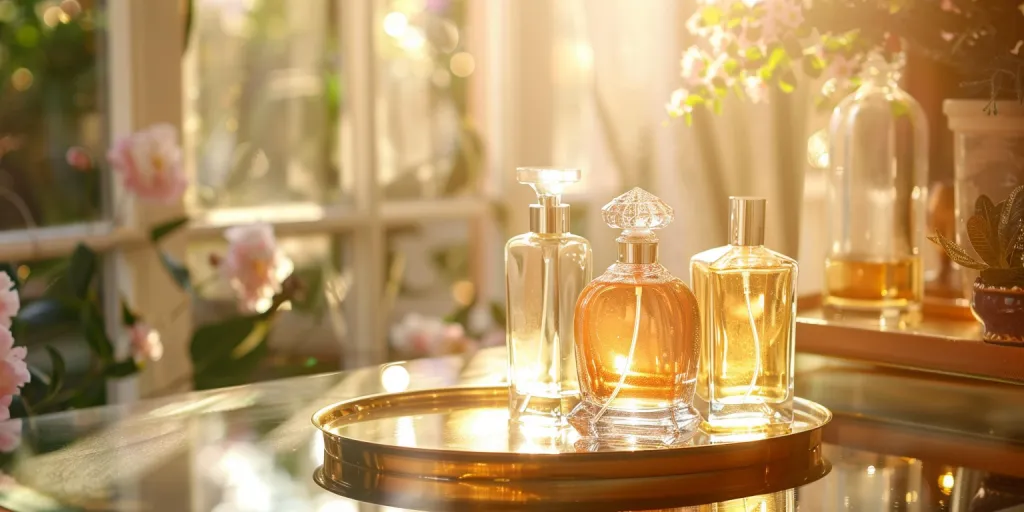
(661, 367)
(873, 285)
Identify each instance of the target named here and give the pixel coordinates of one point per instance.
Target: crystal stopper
(637, 211)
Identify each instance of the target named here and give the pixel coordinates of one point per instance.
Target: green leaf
(984, 241)
(178, 272)
(127, 316)
(159, 232)
(983, 206)
(123, 368)
(1006, 277)
(787, 82)
(82, 270)
(711, 15)
(56, 373)
(754, 53)
(688, 117)
(216, 343)
(47, 311)
(1011, 217)
(956, 253)
(95, 332)
(226, 353)
(813, 65)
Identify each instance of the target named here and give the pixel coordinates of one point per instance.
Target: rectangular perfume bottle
(747, 297)
(545, 270)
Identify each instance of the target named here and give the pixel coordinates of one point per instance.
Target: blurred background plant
(749, 46)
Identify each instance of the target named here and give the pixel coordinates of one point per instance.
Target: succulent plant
(996, 232)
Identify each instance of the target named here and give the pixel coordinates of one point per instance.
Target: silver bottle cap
(746, 220)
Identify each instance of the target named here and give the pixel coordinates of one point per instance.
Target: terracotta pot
(1001, 313)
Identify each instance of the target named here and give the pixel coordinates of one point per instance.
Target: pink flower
(677, 106)
(146, 344)
(949, 6)
(780, 18)
(254, 265)
(842, 69)
(756, 89)
(693, 65)
(10, 303)
(150, 164)
(10, 430)
(78, 158)
(429, 336)
(13, 371)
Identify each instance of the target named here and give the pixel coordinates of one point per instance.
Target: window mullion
(365, 252)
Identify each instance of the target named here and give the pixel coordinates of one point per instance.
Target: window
(354, 128)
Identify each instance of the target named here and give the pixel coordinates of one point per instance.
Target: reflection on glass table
(52, 71)
(252, 448)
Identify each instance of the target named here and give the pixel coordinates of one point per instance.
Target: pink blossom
(150, 164)
(756, 89)
(780, 18)
(693, 65)
(10, 430)
(13, 371)
(146, 344)
(677, 106)
(254, 265)
(429, 336)
(10, 303)
(78, 158)
(842, 69)
(949, 6)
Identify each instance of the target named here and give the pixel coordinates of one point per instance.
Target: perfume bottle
(545, 270)
(877, 200)
(637, 335)
(747, 296)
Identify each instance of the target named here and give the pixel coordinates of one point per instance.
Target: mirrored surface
(253, 448)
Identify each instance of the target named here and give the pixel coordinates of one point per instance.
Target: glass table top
(899, 441)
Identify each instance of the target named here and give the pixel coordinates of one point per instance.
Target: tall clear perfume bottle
(545, 270)
(877, 200)
(747, 296)
(637, 335)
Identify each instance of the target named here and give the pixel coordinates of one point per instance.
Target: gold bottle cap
(746, 220)
(549, 216)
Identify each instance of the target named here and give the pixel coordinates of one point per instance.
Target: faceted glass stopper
(637, 211)
(547, 181)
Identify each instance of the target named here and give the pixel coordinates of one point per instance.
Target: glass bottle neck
(634, 252)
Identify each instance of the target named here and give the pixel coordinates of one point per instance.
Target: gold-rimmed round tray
(463, 434)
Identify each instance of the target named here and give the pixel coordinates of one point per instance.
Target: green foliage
(178, 272)
(996, 232)
(159, 232)
(226, 353)
(82, 270)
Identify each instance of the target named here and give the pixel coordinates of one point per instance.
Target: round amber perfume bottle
(637, 333)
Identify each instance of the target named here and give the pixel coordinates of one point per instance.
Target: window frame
(143, 91)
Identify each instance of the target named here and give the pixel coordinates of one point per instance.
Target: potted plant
(996, 232)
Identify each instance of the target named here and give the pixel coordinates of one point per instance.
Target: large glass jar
(877, 200)
(989, 159)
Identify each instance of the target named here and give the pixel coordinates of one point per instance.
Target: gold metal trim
(346, 454)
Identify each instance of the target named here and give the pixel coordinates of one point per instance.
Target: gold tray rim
(406, 491)
(327, 414)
